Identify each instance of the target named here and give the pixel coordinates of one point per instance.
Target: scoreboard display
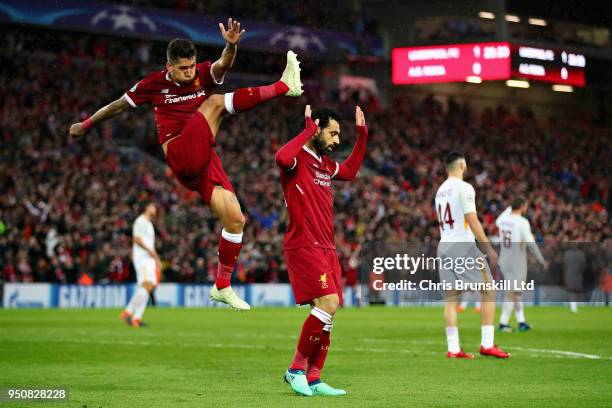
(548, 64)
(451, 63)
(486, 62)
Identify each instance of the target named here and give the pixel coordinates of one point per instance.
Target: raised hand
(359, 117)
(76, 130)
(308, 113)
(233, 34)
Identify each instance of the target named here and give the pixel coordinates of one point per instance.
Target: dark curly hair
(180, 48)
(324, 115)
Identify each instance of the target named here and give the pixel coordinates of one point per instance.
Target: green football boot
(325, 390)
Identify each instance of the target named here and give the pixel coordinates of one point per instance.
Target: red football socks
(310, 339)
(228, 256)
(245, 99)
(316, 361)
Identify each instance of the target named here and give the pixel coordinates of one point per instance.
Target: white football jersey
(514, 235)
(454, 199)
(143, 228)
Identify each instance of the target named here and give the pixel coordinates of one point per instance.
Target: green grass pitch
(383, 357)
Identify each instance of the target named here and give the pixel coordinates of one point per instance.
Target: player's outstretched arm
(232, 37)
(112, 109)
(347, 170)
(286, 157)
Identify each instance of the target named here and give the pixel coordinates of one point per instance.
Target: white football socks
(506, 313)
(487, 333)
(519, 311)
(141, 297)
(452, 338)
(130, 306)
(573, 307)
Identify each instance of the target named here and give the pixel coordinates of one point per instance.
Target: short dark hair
(144, 204)
(517, 203)
(325, 115)
(452, 157)
(180, 48)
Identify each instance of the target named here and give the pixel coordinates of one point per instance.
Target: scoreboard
(486, 61)
(451, 63)
(548, 64)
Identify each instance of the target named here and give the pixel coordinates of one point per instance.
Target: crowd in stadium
(67, 206)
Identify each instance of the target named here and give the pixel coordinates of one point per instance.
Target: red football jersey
(310, 201)
(173, 103)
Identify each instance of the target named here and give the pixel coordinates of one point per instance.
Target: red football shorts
(313, 272)
(194, 161)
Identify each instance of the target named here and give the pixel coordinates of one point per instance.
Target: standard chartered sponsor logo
(322, 179)
(183, 98)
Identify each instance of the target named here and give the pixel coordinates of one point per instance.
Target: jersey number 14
(448, 217)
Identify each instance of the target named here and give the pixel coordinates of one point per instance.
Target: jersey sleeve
(467, 198)
(347, 170)
(207, 76)
(525, 231)
(139, 229)
(286, 156)
(140, 93)
(527, 237)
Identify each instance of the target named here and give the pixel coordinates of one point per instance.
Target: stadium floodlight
(473, 79)
(562, 88)
(516, 83)
(486, 14)
(512, 18)
(537, 21)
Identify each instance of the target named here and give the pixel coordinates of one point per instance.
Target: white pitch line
(572, 354)
(534, 352)
(558, 353)
(394, 341)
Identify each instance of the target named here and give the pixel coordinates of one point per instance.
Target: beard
(321, 148)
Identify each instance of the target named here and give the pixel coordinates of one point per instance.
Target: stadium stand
(67, 206)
